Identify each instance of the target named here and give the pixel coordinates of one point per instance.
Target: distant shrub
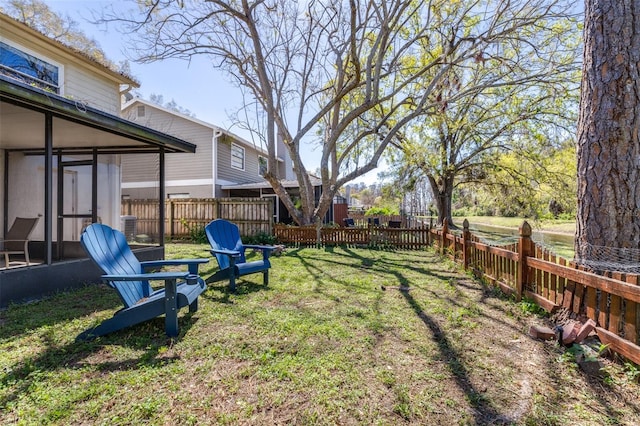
(196, 232)
(261, 238)
(378, 211)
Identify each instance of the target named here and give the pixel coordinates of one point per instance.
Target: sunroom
(60, 162)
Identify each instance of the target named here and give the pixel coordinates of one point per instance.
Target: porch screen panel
(140, 207)
(25, 197)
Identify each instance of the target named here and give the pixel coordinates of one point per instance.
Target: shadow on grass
(58, 309)
(148, 338)
(483, 409)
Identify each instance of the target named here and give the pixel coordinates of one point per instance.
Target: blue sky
(195, 85)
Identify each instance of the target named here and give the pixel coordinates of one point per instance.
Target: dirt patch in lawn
(486, 369)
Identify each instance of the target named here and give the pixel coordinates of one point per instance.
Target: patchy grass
(340, 336)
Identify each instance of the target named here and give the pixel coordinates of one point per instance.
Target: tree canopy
(524, 104)
(347, 76)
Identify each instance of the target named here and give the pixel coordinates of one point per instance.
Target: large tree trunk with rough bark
(608, 128)
(442, 189)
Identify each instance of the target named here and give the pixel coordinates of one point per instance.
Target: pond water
(561, 244)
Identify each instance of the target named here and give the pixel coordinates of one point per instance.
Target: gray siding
(180, 167)
(140, 168)
(190, 174)
(251, 172)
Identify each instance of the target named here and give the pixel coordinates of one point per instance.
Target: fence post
(172, 226)
(525, 249)
(465, 243)
(445, 231)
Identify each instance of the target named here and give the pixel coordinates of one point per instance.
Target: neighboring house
(225, 165)
(223, 158)
(62, 144)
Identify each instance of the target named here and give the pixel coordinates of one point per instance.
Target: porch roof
(84, 127)
(266, 185)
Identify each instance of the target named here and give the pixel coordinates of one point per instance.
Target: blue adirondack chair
(109, 250)
(229, 251)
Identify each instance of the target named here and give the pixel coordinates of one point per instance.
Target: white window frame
(266, 165)
(239, 150)
(42, 58)
(178, 195)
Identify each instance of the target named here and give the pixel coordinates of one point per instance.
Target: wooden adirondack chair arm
(266, 250)
(191, 263)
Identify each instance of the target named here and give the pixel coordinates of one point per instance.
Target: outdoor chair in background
(227, 247)
(127, 275)
(349, 222)
(16, 241)
(394, 224)
(374, 222)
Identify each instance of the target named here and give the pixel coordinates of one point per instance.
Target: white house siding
(81, 79)
(95, 92)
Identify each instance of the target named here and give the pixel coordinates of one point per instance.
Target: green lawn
(547, 225)
(340, 336)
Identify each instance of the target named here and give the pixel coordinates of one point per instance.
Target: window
(178, 195)
(237, 157)
(141, 111)
(262, 165)
(17, 64)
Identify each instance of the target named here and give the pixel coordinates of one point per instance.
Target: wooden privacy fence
(373, 235)
(611, 299)
(252, 215)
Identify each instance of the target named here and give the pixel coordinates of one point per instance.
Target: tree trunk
(608, 126)
(442, 194)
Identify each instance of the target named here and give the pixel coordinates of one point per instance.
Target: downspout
(161, 213)
(214, 159)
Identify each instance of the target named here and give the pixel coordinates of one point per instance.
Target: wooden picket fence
(362, 220)
(611, 299)
(403, 238)
(252, 215)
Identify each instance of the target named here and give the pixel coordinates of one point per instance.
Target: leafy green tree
(533, 189)
(347, 76)
(524, 102)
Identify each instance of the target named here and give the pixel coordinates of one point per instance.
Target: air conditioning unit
(129, 227)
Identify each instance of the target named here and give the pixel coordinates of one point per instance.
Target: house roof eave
(215, 128)
(33, 98)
